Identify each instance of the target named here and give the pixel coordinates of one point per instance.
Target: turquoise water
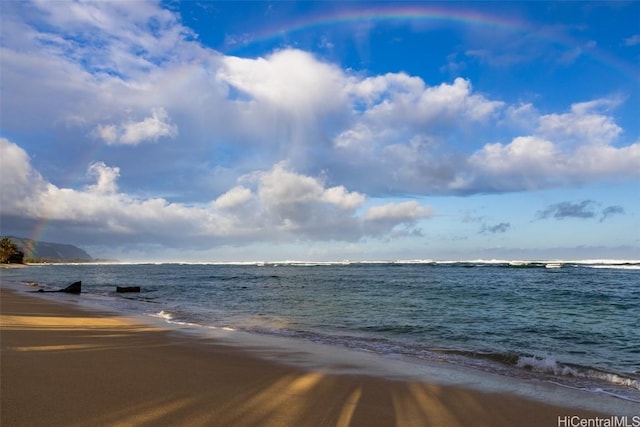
(573, 324)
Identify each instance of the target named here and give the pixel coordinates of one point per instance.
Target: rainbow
(394, 14)
(425, 14)
(414, 13)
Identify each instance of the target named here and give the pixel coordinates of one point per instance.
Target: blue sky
(229, 131)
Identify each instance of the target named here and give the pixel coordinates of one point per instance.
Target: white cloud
(75, 63)
(16, 170)
(302, 204)
(378, 89)
(385, 134)
(106, 178)
(400, 130)
(525, 153)
(340, 197)
(19, 181)
(292, 80)
(592, 162)
(280, 187)
(404, 211)
(563, 149)
(524, 116)
(151, 128)
(126, 37)
(582, 125)
(532, 163)
(235, 197)
(108, 133)
(397, 99)
(283, 205)
(556, 149)
(356, 138)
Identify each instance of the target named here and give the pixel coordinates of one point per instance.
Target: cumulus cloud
(236, 115)
(138, 35)
(302, 204)
(289, 79)
(404, 211)
(237, 196)
(396, 98)
(401, 128)
(397, 218)
(16, 171)
(105, 176)
(340, 197)
(583, 124)
(285, 144)
(533, 162)
(150, 129)
(560, 149)
(276, 204)
(398, 134)
(20, 182)
(524, 116)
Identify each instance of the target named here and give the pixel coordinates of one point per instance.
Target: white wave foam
(549, 365)
(169, 318)
(633, 264)
(618, 267)
(607, 261)
(616, 379)
(163, 315)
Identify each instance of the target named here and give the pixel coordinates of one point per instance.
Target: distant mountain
(46, 251)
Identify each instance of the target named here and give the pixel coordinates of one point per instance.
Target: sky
(264, 131)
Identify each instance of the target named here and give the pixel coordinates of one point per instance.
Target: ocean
(574, 324)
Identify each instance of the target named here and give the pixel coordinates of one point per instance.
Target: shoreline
(309, 350)
(66, 365)
(13, 265)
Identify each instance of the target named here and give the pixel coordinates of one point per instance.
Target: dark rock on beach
(74, 288)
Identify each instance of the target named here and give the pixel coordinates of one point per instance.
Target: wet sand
(62, 365)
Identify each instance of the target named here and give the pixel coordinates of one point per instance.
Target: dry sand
(64, 366)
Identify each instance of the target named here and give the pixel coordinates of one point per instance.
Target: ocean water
(576, 324)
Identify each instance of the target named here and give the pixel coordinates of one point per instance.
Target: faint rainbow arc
(382, 14)
(388, 14)
(46, 215)
(436, 14)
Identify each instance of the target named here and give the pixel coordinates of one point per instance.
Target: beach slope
(64, 366)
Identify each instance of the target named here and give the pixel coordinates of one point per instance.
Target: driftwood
(124, 289)
(74, 288)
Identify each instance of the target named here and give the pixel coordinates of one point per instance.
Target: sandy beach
(64, 366)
